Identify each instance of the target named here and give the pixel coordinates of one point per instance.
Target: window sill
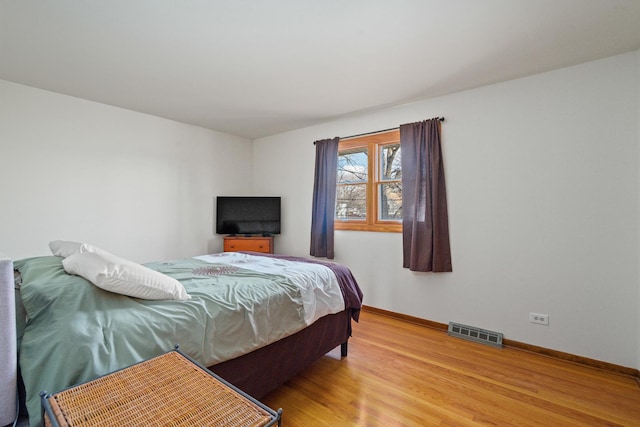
(381, 227)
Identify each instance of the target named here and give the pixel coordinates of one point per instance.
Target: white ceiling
(257, 68)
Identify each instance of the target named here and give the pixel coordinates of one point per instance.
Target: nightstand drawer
(253, 244)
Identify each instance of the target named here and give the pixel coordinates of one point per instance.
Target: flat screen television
(247, 215)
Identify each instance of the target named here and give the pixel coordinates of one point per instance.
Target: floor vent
(472, 333)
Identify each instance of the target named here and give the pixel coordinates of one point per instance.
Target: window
(369, 187)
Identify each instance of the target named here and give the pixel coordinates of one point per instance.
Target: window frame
(373, 143)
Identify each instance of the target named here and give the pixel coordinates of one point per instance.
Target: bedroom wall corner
(137, 185)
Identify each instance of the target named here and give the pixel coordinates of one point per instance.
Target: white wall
(638, 130)
(137, 185)
(542, 176)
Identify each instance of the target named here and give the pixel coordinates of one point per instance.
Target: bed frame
(285, 358)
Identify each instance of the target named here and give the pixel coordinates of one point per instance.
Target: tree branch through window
(369, 187)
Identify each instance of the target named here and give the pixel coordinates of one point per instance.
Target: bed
(255, 319)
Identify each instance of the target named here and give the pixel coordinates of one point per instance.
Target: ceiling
(258, 68)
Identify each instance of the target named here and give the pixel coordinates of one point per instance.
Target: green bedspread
(76, 331)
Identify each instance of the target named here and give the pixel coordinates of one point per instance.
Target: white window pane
(351, 202)
(353, 166)
(390, 162)
(390, 197)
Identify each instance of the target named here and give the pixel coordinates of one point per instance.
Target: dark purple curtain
(425, 224)
(324, 198)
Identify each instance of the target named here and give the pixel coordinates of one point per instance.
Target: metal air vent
(472, 333)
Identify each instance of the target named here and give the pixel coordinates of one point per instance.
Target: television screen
(247, 215)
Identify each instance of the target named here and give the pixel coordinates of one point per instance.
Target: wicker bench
(168, 390)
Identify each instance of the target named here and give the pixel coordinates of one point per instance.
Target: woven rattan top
(168, 390)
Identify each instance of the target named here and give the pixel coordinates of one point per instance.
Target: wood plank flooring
(402, 374)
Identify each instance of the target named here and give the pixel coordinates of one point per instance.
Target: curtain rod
(380, 131)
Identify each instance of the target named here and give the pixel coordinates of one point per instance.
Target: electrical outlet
(541, 319)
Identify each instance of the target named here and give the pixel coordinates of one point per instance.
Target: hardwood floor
(402, 374)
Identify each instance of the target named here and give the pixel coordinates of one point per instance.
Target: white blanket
(319, 288)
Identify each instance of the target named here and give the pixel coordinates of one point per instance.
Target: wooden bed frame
(284, 358)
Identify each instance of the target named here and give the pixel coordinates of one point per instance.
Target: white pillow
(66, 248)
(121, 276)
